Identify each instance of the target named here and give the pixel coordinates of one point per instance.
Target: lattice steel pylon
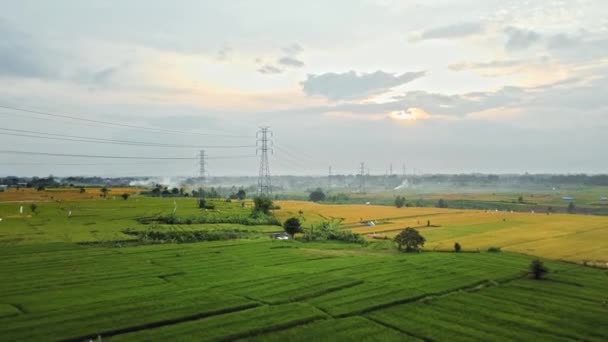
(264, 144)
(202, 171)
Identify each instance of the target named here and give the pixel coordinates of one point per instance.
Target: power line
(63, 137)
(114, 157)
(100, 122)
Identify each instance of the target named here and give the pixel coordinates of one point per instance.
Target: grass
(575, 238)
(54, 287)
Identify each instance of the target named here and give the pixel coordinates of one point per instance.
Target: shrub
(317, 196)
(399, 201)
(262, 204)
(494, 250)
(330, 231)
(34, 208)
(457, 247)
(538, 269)
(125, 196)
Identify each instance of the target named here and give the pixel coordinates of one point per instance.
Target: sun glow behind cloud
(409, 115)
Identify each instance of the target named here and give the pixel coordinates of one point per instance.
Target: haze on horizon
(494, 86)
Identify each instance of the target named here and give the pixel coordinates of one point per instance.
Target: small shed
(279, 236)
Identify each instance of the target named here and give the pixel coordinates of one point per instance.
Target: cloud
(269, 70)
(450, 32)
(224, 53)
(292, 50)
(351, 85)
(21, 55)
(291, 62)
(520, 39)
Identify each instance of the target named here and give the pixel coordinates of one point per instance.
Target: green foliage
(457, 247)
(494, 250)
(125, 196)
(204, 204)
(537, 269)
(442, 203)
(292, 226)
(104, 191)
(399, 201)
(262, 204)
(256, 220)
(186, 236)
(330, 231)
(411, 239)
(34, 208)
(241, 195)
(317, 195)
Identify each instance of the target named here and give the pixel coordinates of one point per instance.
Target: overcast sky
(441, 86)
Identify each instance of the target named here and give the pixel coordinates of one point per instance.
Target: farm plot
(255, 289)
(575, 238)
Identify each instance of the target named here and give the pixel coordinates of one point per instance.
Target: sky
(452, 86)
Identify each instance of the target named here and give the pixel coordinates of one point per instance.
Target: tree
(241, 194)
(292, 226)
(125, 196)
(317, 196)
(571, 208)
(399, 201)
(538, 269)
(520, 199)
(457, 247)
(411, 239)
(104, 191)
(442, 203)
(175, 191)
(262, 204)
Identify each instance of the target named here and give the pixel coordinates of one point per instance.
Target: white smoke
(170, 182)
(405, 184)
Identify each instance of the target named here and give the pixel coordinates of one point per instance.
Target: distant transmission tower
(264, 144)
(362, 178)
(202, 171)
(329, 179)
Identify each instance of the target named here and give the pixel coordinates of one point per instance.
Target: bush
(538, 269)
(457, 247)
(173, 236)
(494, 250)
(317, 196)
(262, 204)
(203, 204)
(125, 196)
(399, 201)
(330, 231)
(258, 220)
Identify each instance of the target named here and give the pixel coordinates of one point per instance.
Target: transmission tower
(362, 178)
(264, 144)
(329, 179)
(202, 170)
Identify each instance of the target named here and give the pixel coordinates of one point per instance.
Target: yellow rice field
(575, 238)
